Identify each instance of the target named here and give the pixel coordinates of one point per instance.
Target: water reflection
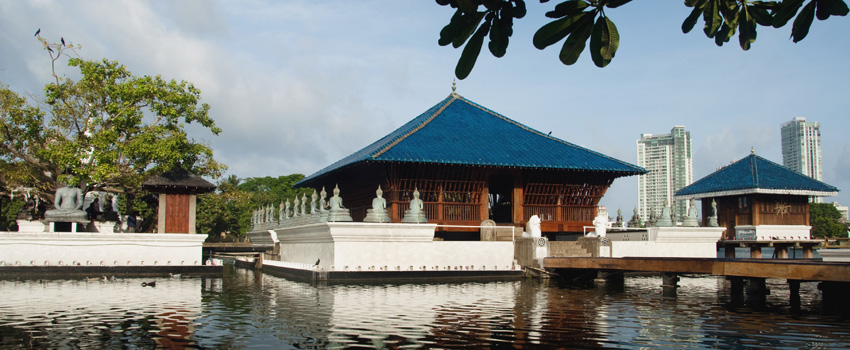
(244, 309)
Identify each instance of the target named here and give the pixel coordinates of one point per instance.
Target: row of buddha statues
(318, 209)
(666, 218)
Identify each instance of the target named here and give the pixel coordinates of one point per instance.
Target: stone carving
(600, 222)
(415, 214)
(295, 204)
(378, 213)
(635, 220)
(315, 214)
(620, 218)
(712, 219)
(281, 213)
(665, 220)
(303, 204)
(691, 219)
(532, 227)
(652, 218)
(323, 210)
(337, 211)
(488, 230)
(68, 206)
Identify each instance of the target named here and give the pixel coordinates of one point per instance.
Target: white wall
(66, 248)
(682, 242)
(395, 246)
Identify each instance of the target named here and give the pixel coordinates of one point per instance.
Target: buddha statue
(378, 213)
(323, 203)
(337, 211)
(691, 219)
(712, 219)
(416, 213)
(68, 205)
(665, 219)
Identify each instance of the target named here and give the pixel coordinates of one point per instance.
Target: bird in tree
(49, 49)
(37, 32)
(62, 40)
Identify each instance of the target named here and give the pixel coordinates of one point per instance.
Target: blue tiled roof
(754, 174)
(459, 131)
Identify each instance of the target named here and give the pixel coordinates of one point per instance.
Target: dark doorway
(501, 198)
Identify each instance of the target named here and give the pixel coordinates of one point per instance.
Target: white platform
(358, 246)
(670, 242)
(99, 249)
(766, 232)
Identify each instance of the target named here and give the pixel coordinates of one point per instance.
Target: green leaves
(577, 21)
(466, 26)
(604, 42)
(577, 25)
(724, 17)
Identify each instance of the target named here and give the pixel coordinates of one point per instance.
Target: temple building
(758, 199)
(470, 164)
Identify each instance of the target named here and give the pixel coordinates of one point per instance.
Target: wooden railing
(559, 212)
(447, 211)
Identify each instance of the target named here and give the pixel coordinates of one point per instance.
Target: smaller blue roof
(754, 174)
(459, 131)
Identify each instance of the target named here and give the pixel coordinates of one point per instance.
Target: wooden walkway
(790, 269)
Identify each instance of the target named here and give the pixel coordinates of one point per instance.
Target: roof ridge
(390, 145)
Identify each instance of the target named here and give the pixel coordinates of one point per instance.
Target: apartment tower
(669, 160)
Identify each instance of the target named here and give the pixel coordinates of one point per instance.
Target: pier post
(736, 292)
(669, 284)
(835, 296)
(258, 262)
(757, 291)
(794, 291)
(611, 279)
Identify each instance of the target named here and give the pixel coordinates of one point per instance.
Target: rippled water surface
(244, 309)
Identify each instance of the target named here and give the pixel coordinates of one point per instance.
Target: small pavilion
(471, 164)
(758, 199)
(178, 190)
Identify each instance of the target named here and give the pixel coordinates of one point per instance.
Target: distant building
(801, 148)
(669, 160)
(844, 210)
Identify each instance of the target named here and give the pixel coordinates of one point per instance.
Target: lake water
(244, 309)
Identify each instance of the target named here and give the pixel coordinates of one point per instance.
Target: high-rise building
(801, 148)
(669, 160)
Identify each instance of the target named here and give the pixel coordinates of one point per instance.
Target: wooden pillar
(729, 251)
(518, 200)
(780, 251)
(807, 251)
(757, 292)
(755, 251)
(484, 202)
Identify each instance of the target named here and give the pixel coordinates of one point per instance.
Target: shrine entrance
(501, 188)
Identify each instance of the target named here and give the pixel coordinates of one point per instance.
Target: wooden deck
(790, 269)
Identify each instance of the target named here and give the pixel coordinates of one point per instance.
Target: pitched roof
(459, 131)
(178, 179)
(754, 174)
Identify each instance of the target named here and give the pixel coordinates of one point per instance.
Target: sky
(298, 85)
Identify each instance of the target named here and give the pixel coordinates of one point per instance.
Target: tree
(228, 210)
(109, 130)
(825, 220)
(581, 20)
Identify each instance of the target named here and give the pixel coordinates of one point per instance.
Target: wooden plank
(761, 268)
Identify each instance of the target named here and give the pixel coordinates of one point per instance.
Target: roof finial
(752, 150)
(454, 85)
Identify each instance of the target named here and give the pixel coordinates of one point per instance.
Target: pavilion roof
(459, 131)
(754, 174)
(178, 179)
